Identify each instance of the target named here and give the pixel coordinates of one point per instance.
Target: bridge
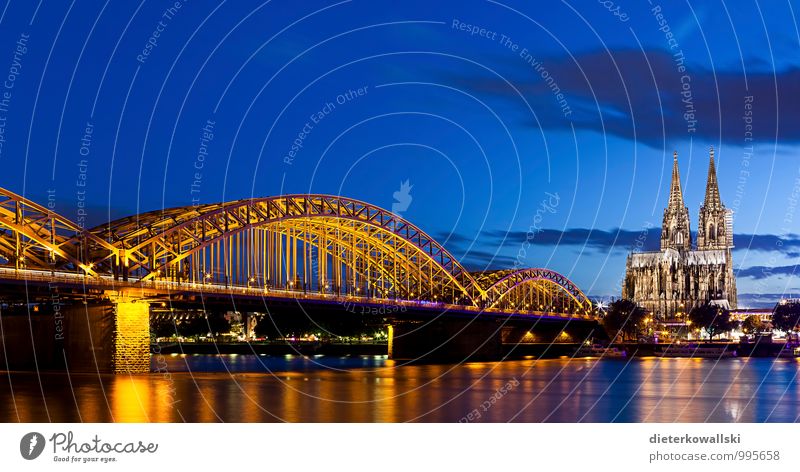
(304, 250)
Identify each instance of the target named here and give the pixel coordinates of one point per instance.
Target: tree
(713, 319)
(752, 325)
(217, 324)
(624, 318)
(786, 316)
(163, 327)
(194, 326)
(200, 325)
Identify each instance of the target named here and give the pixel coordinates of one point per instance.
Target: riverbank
(552, 351)
(272, 349)
(518, 351)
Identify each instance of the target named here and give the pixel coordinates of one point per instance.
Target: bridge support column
(445, 340)
(131, 336)
(111, 336)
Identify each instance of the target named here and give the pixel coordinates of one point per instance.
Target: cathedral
(671, 281)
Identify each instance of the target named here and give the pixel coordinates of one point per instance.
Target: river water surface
(245, 388)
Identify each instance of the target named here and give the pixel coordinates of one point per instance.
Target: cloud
(642, 95)
(765, 300)
(764, 272)
(646, 239)
(768, 242)
(452, 238)
(603, 241)
(476, 260)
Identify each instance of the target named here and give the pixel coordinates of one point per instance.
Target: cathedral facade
(669, 282)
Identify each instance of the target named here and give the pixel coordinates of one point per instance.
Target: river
(250, 388)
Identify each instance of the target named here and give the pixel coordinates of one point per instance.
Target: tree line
(625, 320)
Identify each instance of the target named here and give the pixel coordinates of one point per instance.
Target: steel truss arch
(503, 285)
(35, 237)
(151, 243)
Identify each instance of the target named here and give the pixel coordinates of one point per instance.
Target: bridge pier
(110, 336)
(130, 341)
(445, 340)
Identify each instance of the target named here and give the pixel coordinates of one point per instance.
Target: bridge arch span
(34, 236)
(339, 242)
(534, 289)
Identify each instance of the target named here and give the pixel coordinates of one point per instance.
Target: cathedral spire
(712, 188)
(715, 228)
(675, 230)
(675, 193)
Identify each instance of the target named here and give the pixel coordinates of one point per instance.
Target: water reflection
(373, 388)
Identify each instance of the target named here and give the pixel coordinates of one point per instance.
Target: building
(669, 282)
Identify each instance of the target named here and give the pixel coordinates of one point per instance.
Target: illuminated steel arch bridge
(292, 245)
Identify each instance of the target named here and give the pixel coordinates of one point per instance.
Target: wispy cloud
(646, 239)
(765, 300)
(765, 272)
(641, 95)
(600, 240)
(471, 249)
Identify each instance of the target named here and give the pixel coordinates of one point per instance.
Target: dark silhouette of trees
(163, 327)
(193, 326)
(201, 325)
(713, 319)
(786, 316)
(752, 325)
(217, 324)
(624, 319)
(328, 326)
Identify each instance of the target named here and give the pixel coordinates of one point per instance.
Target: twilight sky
(508, 121)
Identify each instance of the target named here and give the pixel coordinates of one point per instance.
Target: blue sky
(487, 109)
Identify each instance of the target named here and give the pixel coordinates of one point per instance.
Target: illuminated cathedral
(671, 281)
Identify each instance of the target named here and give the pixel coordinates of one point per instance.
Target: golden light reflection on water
(127, 395)
(139, 398)
(641, 389)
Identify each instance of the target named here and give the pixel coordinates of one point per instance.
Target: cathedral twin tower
(669, 282)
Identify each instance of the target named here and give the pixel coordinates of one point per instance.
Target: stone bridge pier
(109, 336)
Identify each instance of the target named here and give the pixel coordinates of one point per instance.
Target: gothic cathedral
(671, 281)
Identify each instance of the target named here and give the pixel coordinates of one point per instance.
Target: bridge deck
(165, 290)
